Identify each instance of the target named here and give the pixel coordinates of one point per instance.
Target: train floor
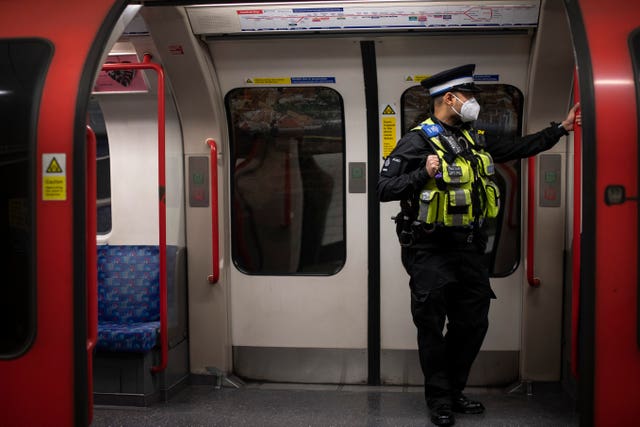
(284, 405)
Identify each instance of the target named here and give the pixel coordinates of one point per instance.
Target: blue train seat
(128, 298)
(129, 324)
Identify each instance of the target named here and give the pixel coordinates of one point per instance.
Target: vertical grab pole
(531, 207)
(162, 210)
(146, 64)
(215, 249)
(92, 260)
(577, 230)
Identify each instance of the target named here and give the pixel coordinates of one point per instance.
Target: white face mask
(469, 111)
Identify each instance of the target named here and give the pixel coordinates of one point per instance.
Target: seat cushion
(128, 284)
(137, 337)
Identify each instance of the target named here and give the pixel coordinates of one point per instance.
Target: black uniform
(449, 275)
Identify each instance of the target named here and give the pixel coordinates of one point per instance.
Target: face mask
(469, 111)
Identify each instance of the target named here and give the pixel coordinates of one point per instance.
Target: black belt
(440, 233)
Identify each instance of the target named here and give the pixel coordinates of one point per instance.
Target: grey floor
(286, 405)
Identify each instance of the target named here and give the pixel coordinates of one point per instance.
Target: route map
(524, 14)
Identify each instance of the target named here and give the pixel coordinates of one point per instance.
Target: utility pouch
(485, 163)
(429, 206)
(456, 172)
(493, 199)
(457, 208)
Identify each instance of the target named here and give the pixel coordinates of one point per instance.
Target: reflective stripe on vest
(452, 202)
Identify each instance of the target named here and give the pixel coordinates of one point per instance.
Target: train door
(501, 68)
(46, 70)
(298, 214)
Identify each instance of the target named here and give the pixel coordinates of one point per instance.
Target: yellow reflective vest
(462, 194)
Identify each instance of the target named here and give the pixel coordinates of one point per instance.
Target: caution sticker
(268, 80)
(388, 111)
(290, 80)
(416, 78)
(54, 176)
(388, 125)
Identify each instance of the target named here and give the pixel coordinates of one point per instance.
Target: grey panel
(550, 180)
(124, 373)
(308, 365)
(177, 367)
(357, 177)
(198, 181)
(126, 378)
(177, 295)
(491, 368)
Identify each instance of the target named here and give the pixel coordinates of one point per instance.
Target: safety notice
(54, 176)
(388, 131)
(290, 80)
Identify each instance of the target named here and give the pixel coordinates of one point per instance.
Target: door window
(103, 167)
(501, 114)
(287, 174)
(23, 67)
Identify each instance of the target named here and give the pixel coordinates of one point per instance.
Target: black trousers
(453, 284)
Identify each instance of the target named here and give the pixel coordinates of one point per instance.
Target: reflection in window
(103, 171)
(23, 66)
(500, 114)
(287, 172)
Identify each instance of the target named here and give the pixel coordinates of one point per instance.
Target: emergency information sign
(388, 124)
(54, 176)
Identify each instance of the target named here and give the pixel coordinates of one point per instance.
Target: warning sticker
(416, 78)
(269, 80)
(388, 124)
(290, 80)
(388, 111)
(54, 176)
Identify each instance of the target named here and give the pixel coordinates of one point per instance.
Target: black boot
(441, 414)
(464, 405)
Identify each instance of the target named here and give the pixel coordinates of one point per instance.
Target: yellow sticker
(54, 176)
(388, 135)
(420, 77)
(388, 111)
(54, 166)
(269, 80)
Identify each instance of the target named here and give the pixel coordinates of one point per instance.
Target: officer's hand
(432, 165)
(574, 117)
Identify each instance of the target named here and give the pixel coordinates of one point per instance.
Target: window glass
(287, 174)
(103, 170)
(501, 113)
(23, 66)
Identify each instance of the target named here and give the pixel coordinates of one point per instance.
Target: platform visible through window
(501, 113)
(287, 174)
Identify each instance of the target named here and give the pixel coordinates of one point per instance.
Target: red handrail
(92, 260)
(215, 249)
(146, 64)
(531, 203)
(577, 230)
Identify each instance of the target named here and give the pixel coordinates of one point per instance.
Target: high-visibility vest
(462, 194)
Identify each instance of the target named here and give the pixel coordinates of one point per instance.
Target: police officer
(441, 171)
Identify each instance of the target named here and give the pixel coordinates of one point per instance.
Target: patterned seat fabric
(132, 337)
(128, 298)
